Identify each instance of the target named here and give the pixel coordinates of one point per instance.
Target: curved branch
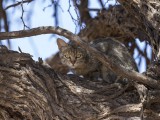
(130, 74)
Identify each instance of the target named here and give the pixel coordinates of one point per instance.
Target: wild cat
(82, 62)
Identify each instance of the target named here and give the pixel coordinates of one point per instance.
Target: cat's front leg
(107, 75)
(93, 76)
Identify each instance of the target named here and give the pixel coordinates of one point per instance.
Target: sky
(45, 45)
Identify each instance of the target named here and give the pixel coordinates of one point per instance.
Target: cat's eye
(66, 56)
(79, 55)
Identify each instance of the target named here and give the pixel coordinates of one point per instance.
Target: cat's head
(70, 55)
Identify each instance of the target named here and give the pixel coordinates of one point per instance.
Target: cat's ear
(61, 43)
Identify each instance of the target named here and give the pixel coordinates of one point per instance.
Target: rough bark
(146, 12)
(31, 90)
(108, 62)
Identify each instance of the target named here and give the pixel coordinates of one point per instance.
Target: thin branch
(24, 25)
(18, 3)
(55, 14)
(130, 74)
(84, 15)
(106, 2)
(75, 20)
(101, 3)
(55, 5)
(52, 4)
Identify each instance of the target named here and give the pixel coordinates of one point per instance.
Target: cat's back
(116, 51)
(105, 44)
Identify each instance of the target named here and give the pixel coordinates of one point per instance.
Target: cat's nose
(73, 62)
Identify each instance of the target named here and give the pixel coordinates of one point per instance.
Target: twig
(101, 3)
(106, 2)
(73, 19)
(130, 74)
(18, 3)
(24, 25)
(55, 14)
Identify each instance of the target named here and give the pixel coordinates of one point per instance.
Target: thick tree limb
(30, 90)
(100, 56)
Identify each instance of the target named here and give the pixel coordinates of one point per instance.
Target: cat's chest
(80, 71)
(86, 68)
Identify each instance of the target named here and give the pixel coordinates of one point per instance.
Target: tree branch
(24, 25)
(3, 15)
(18, 3)
(147, 14)
(130, 74)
